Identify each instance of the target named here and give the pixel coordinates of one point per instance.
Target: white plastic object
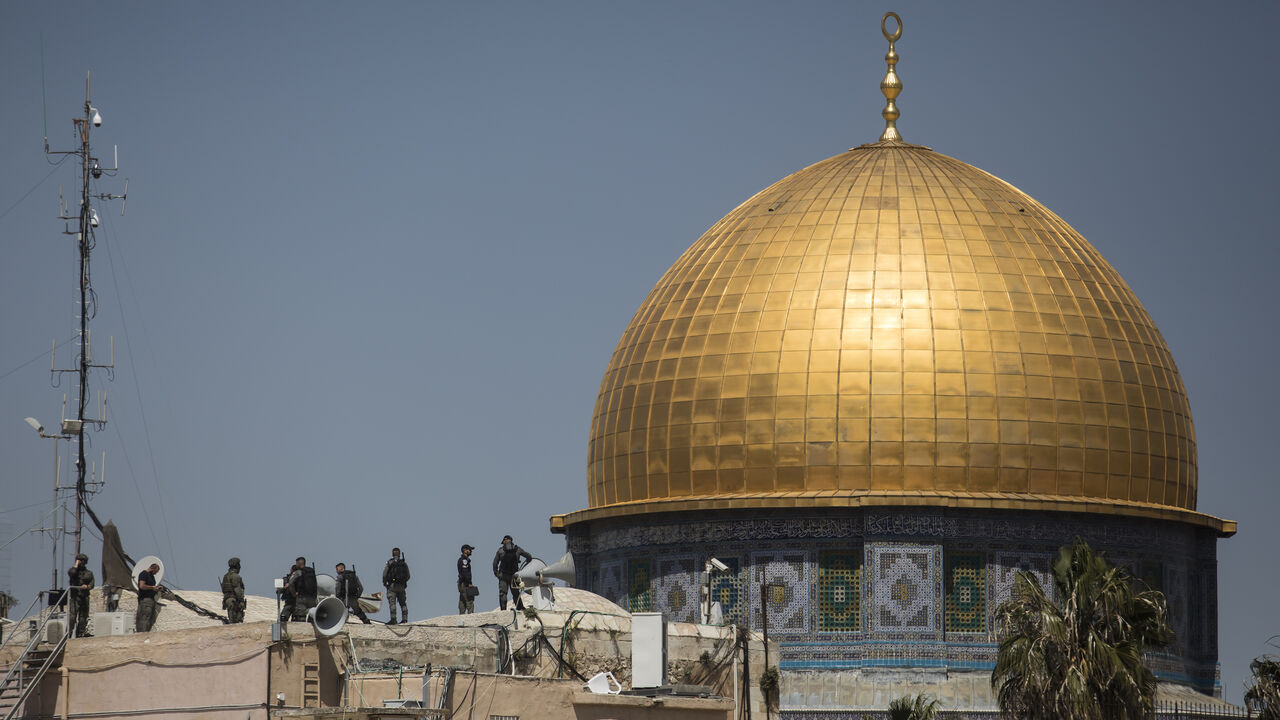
(603, 684)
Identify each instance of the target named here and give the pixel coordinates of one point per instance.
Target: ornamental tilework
(905, 583)
(727, 589)
(611, 586)
(783, 577)
(1006, 567)
(966, 588)
(1175, 593)
(839, 590)
(850, 602)
(676, 588)
(640, 585)
(1151, 573)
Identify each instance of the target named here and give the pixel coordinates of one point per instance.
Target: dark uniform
(348, 590)
(466, 601)
(233, 592)
(506, 563)
(287, 597)
(80, 582)
(302, 581)
(395, 576)
(148, 610)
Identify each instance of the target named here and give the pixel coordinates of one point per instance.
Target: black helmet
(82, 556)
(233, 562)
(467, 547)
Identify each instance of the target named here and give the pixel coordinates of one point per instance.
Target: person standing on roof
(148, 609)
(395, 577)
(506, 563)
(348, 590)
(80, 582)
(302, 581)
(466, 598)
(233, 592)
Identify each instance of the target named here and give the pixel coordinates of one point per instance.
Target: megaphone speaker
(563, 569)
(328, 616)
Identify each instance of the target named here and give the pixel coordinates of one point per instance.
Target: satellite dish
(145, 563)
(326, 585)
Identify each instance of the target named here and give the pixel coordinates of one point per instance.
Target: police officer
(302, 581)
(80, 579)
(506, 563)
(466, 600)
(348, 590)
(148, 610)
(395, 576)
(233, 592)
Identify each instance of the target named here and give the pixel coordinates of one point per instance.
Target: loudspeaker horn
(562, 569)
(326, 585)
(528, 574)
(145, 563)
(328, 616)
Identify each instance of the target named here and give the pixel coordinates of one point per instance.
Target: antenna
(81, 227)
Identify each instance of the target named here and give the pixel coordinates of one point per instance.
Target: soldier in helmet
(466, 600)
(233, 592)
(80, 579)
(508, 561)
(395, 576)
(349, 588)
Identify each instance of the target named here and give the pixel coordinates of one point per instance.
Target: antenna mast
(86, 222)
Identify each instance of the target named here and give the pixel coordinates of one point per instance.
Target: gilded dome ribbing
(892, 326)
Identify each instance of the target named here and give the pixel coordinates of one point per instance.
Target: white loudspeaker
(326, 585)
(329, 616)
(145, 563)
(563, 569)
(529, 573)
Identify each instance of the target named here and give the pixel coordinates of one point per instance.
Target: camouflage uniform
(78, 597)
(506, 563)
(233, 592)
(395, 576)
(304, 595)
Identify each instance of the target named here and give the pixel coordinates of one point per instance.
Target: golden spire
(891, 85)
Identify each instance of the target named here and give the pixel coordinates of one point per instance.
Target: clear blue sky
(376, 256)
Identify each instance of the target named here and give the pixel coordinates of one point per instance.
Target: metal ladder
(28, 669)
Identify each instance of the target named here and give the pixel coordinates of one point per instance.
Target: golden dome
(892, 326)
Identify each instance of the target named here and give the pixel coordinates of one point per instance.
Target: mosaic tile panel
(885, 621)
(783, 578)
(839, 590)
(676, 588)
(1008, 564)
(966, 588)
(1175, 594)
(905, 588)
(611, 586)
(1152, 574)
(728, 589)
(640, 585)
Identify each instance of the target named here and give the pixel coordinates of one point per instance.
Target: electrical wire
(137, 387)
(34, 187)
(38, 357)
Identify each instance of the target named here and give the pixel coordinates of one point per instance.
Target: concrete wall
(218, 672)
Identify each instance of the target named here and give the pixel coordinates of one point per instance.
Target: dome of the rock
(892, 325)
(866, 400)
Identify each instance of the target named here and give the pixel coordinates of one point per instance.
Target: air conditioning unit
(111, 623)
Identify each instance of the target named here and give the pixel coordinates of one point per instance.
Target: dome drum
(889, 587)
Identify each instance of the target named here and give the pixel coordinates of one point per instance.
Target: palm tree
(1079, 658)
(917, 708)
(1263, 695)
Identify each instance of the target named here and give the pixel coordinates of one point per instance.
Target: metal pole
(84, 308)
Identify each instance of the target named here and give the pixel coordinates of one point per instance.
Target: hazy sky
(376, 256)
